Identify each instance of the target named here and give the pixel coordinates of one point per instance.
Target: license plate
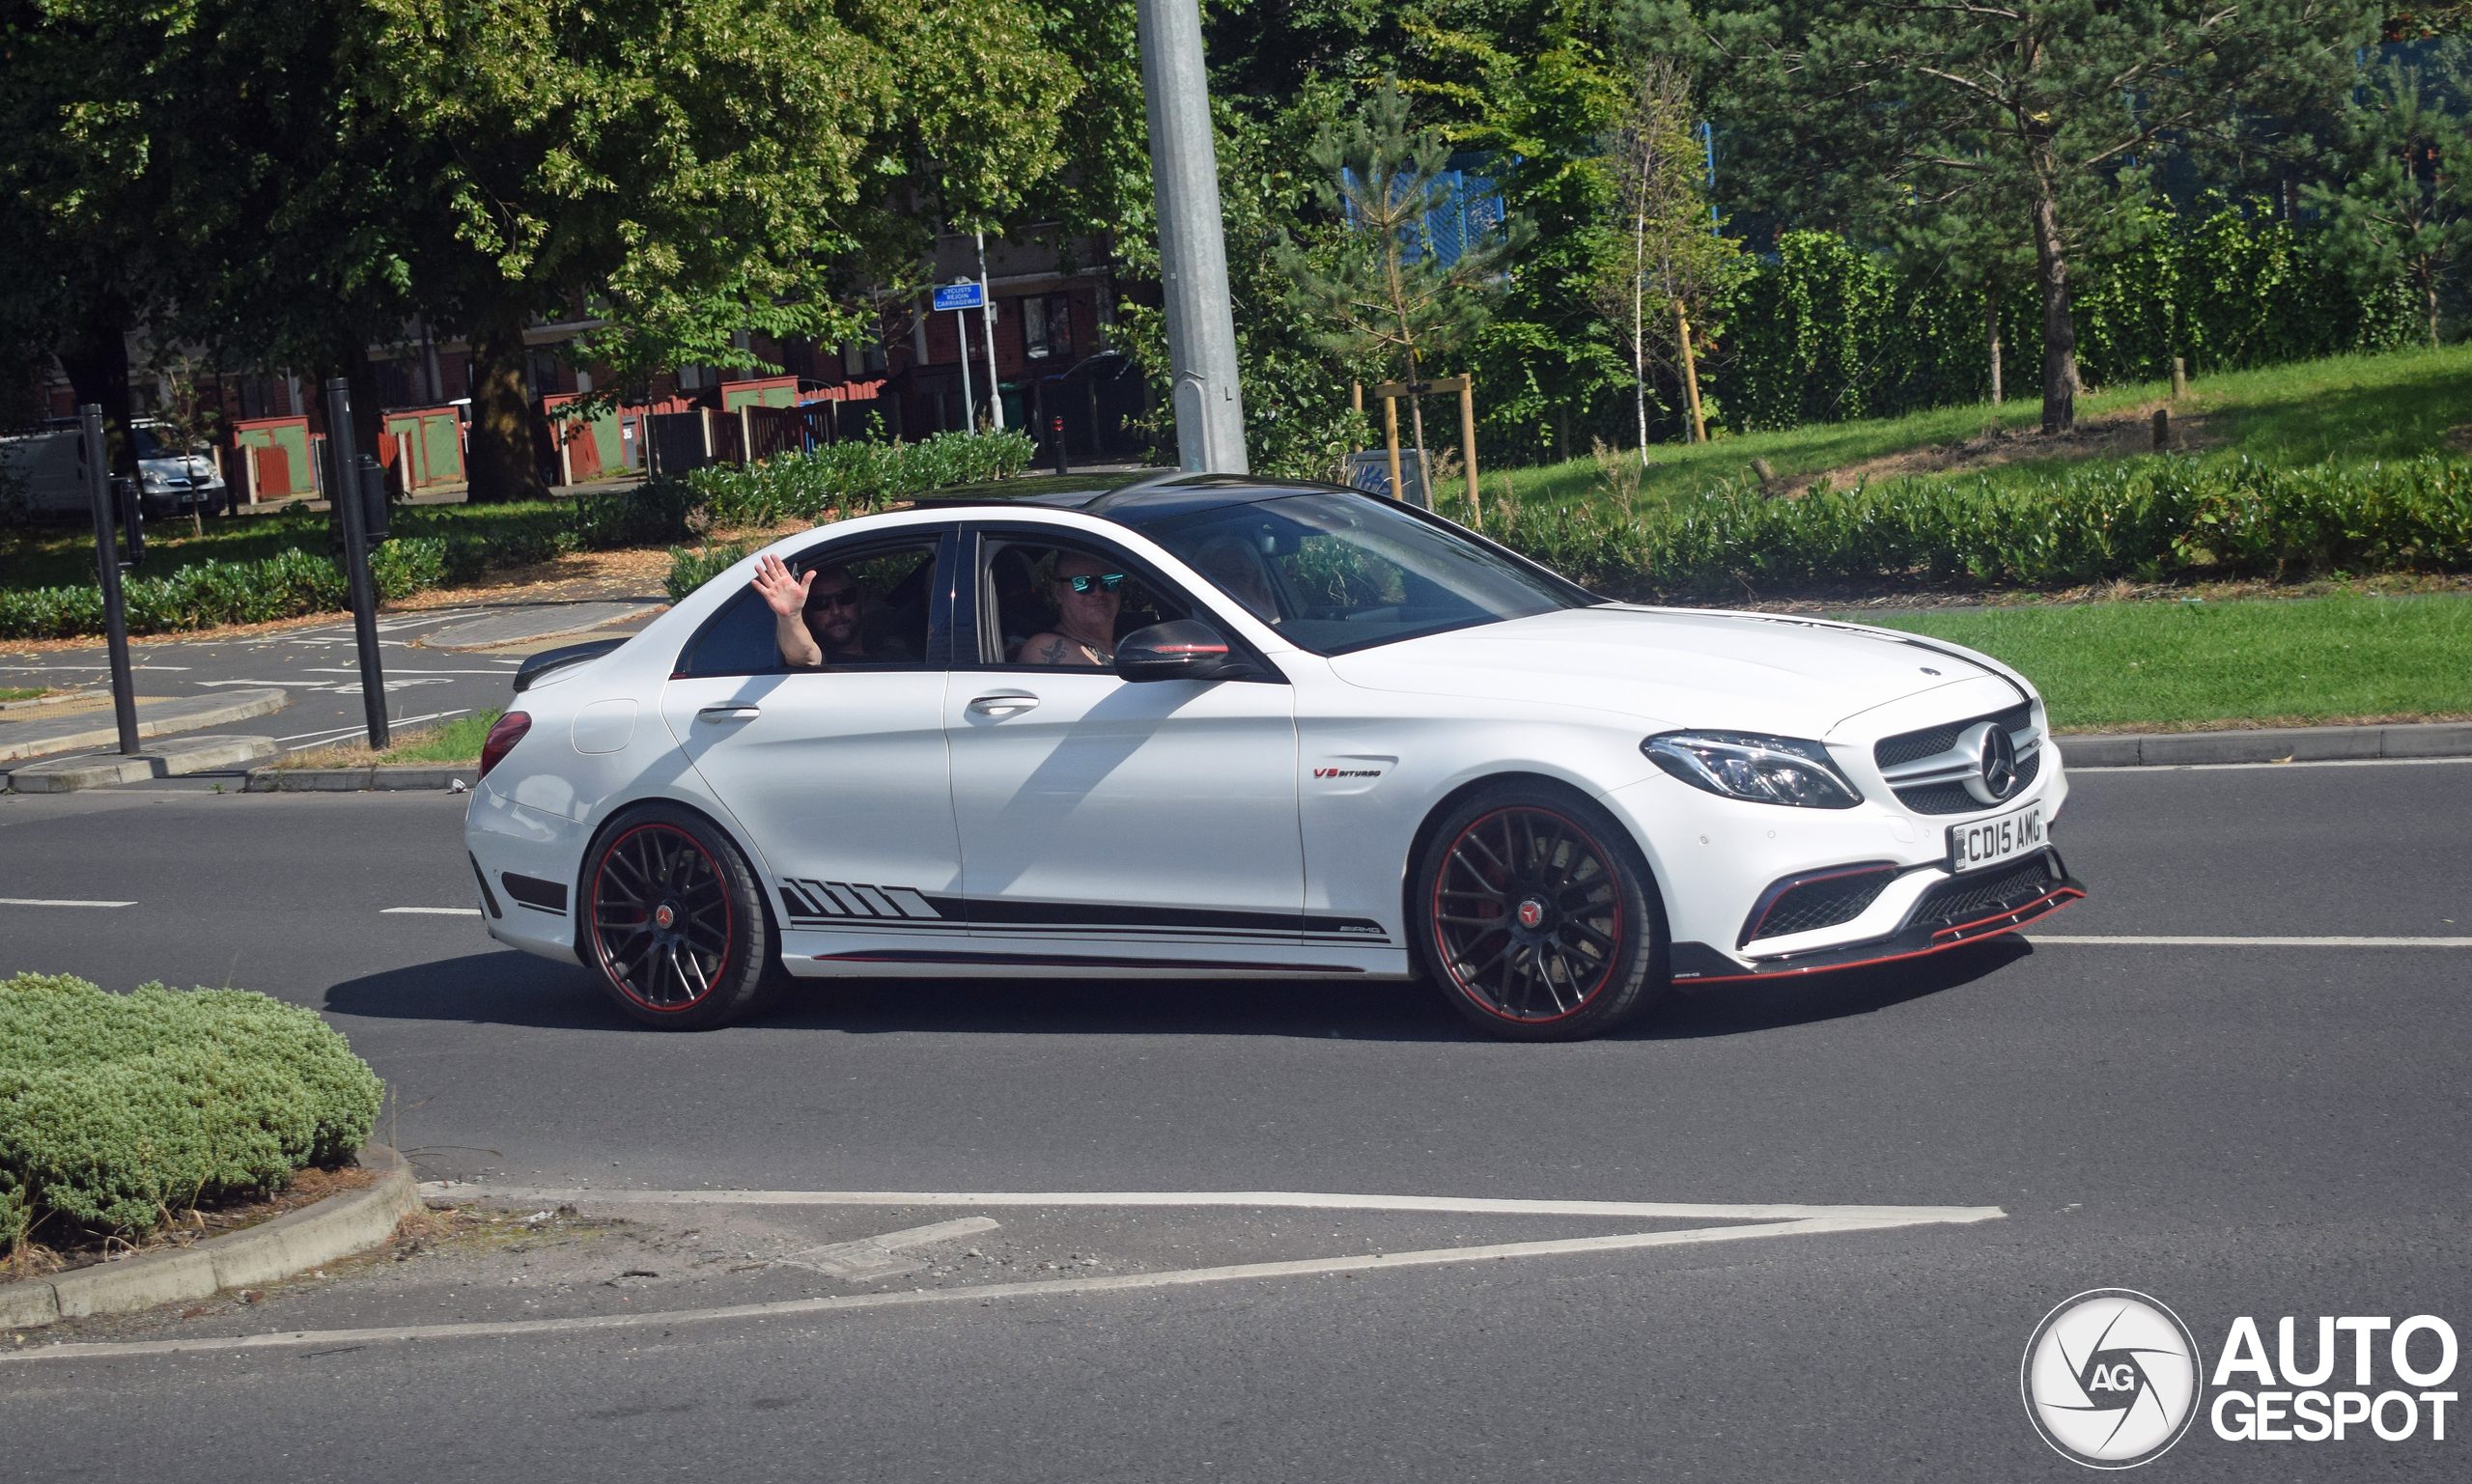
(1989, 842)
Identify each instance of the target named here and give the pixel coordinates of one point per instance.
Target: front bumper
(1950, 910)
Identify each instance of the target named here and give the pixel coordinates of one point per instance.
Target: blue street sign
(958, 297)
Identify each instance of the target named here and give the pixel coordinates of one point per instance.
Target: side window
(1027, 595)
(865, 607)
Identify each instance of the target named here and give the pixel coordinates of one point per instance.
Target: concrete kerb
(170, 757)
(2267, 744)
(380, 778)
(286, 1247)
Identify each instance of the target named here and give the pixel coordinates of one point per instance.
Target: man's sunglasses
(839, 598)
(1105, 582)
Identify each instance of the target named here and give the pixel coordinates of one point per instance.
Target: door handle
(729, 714)
(1002, 706)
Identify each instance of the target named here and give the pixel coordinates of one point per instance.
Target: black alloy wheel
(675, 922)
(1538, 919)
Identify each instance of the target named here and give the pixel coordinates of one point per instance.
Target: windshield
(149, 445)
(1335, 572)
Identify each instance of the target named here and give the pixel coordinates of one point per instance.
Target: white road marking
(2139, 941)
(56, 902)
(434, 912)
(38, 669)
(879, 1257)
(988, 1293)
(332, 733)
(321, 669)
(1291, 1200)
(2224, 767)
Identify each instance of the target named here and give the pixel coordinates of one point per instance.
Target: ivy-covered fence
(1830, 332)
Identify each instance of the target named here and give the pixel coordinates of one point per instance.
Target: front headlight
(153, 480)
(1761, 770)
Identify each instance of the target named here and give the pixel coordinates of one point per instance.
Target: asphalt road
(2236, 1130)
(318, 665)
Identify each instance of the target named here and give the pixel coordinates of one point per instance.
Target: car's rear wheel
(1537, 918)
(673, 921)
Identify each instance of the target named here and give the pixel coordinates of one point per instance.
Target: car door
(1109, 825)
(839, 775)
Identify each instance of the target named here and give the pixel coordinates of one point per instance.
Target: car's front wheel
(673, 921)
(1537, 918)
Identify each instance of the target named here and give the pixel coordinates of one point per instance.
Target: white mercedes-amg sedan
(1211, 726)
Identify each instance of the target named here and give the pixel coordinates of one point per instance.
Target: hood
(1672, 667)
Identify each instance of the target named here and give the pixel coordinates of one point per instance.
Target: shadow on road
(1733, 1009)
(515, 988)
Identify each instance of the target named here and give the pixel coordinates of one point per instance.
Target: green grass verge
(17, 693)
(2283, 662)
(2345, 409)
(449, 742)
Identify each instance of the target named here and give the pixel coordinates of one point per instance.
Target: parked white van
(51, 464)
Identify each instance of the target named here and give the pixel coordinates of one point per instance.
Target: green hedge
(856, 478)
(2148, 521)
(117, 1109)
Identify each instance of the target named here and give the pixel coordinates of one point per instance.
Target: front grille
(1952, 797)
(1962, 901)
(1907, 746)
(1822, 903)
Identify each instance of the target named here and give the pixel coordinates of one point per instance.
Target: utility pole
(1192, 254)
(343, 488)
(986, 325)
(99, 491)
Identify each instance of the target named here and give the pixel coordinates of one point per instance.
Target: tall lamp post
(1193, 255)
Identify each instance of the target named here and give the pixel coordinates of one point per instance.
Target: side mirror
(1181, 649)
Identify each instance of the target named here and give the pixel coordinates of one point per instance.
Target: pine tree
(2405, 210)
(1385, 295)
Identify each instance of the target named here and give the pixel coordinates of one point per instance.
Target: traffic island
(95, 728)
(286, 1247)
(172, 757)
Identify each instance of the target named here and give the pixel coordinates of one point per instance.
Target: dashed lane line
(1368, 1262)
(433, 911)
(2152, 941)
(57, 902)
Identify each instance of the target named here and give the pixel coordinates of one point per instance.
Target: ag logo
(2111, 1379)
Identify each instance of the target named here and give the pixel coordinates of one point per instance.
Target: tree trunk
(2429, 294)
(97, 367)
(1417, 419)
(1640, 328)
(2059, 336)
(503, 465)
(1991, 323)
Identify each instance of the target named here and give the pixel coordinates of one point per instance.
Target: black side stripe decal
(810, 902)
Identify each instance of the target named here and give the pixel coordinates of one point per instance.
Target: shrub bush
(856, 478)
(691, 569)
(114, 1108)
(2147, 520)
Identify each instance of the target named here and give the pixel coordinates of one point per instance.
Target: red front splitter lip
(1697, 966)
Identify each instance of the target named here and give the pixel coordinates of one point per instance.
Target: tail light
(508, 730)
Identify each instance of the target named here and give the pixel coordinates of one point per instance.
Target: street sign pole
(344, 491)
(961, 297)
(99, 490)
(1192, 254)
(986, 325)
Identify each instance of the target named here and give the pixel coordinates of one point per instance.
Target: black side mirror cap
(1180, 649)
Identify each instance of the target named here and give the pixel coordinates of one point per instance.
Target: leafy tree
(1385, 295)
(694, 168)
(1673, 265)
(2405, 209)
(1864, 111)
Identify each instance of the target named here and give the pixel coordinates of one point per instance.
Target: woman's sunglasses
(1105, 582)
